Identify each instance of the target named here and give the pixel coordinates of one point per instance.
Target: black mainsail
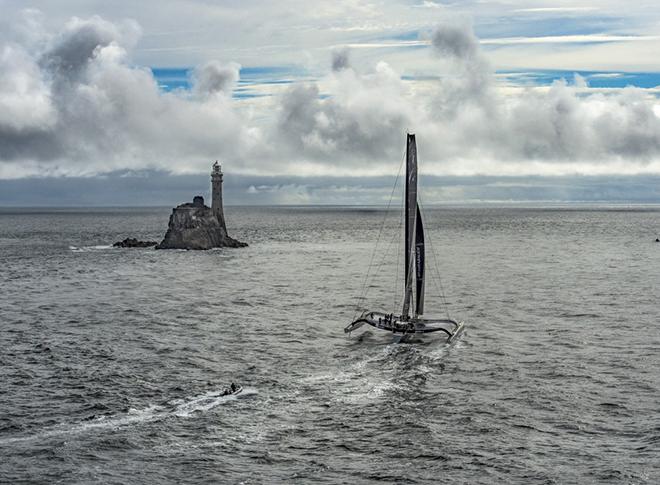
(410, 216)
(414, 252)
(419, 264)
(403, 326)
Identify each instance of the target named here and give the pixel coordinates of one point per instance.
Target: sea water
(112, 360)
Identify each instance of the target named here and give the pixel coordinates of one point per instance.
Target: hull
(402, 329)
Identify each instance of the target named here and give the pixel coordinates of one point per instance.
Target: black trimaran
(406, 325)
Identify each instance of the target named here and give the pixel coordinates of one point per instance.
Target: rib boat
(411, 322)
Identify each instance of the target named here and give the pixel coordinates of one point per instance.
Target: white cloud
(569, 39)
(428, 4)
(25, 101)
(75, 105)
(506, 41)
(554, 10)
(254, 32)
(213, 78)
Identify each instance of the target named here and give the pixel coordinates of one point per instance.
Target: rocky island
(131, 242)
(197, 226)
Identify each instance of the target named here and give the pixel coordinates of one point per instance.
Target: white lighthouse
(216, 194)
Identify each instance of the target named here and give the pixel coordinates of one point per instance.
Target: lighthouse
(198, 226)
(216, 195)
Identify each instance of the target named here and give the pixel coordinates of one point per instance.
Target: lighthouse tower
(216, 194)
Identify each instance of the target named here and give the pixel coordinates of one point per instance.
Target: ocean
(112, 360)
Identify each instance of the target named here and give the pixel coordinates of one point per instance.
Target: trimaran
(407, 324)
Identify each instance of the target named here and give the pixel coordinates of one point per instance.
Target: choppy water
(111, 360)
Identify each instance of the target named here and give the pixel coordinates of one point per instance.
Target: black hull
(401, 327)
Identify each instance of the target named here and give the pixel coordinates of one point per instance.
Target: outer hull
(407, 330)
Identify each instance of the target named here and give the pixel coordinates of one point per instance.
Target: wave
(85, 249)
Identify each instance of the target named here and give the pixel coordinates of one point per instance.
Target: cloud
(78, 45)
(25, 102)
(553, 10)
(214, 77)
(360, 124)
(570, 39)
(428, 4)
(472, 75)
(553, 131)
(72, 103)
(77, 107)
(456, 41)
(340, 59)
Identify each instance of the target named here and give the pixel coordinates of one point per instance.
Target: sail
(419, 264)
(410, 216)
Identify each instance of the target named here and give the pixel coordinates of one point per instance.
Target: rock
(131, 242)
(195, 226)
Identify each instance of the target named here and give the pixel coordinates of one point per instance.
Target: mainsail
(414, 235)
(419, 264)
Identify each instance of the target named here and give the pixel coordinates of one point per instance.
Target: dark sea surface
(111, 360)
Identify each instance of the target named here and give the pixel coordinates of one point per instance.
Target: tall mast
(410, 216)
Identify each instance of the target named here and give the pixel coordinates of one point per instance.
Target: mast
(410, 216)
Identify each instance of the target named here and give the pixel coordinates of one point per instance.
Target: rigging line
(373, 254)
(435, 263)
(438, 286)
(397, 257)
(437, 279)
(386, 253)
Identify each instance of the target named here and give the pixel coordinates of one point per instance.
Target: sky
(129, 103)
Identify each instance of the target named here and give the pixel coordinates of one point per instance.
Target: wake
(183, 408)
